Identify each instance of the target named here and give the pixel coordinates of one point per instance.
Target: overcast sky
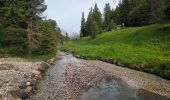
(68, 13)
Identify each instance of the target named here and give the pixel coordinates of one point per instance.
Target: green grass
(39, 57)
(6, 52)
(143, 48)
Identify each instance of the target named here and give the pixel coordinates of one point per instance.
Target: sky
(67, 13)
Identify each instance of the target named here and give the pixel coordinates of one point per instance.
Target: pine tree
(156, 10)
(89, 23)
(95, 29)
(83, 28)
(35, 9)
(19, 23)
(124, 10)
(118, 13)
(48, 38)
(140, 15)
(97, 17)
(167, 9)
(107, 17)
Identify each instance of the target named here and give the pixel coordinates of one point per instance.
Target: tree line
(24, 29)
(128, 13)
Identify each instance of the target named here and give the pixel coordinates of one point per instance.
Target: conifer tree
(83, 28)
(48, 38)
(108, 18)
(89, 22)
(97, 17)
(167, 9)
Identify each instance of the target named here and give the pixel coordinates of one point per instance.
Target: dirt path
(71, 78)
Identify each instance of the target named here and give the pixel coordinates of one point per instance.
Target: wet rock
(20, 94)
(36, 74)
(31, 82)
(52, 61)
(120, 64)
(23, 85)
(43, 67)
(29, 89)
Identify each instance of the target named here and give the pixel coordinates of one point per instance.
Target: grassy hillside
(143, 48)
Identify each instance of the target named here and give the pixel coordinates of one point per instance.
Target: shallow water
(117, 89)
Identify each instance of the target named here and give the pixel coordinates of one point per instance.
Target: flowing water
(52, 86)
(116, 89)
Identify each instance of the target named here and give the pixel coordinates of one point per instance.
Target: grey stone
(20, 94)
(43, 67)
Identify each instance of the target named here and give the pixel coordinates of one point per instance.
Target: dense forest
(25, 30)
(127, 13)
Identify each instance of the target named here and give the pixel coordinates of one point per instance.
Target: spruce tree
(48, 38)
(140, 15)
(83, 28)
(124, 10)
(95, 29)
(156, 10)
(107, 18)
(89, 23)
(167, 9)
(97, 17)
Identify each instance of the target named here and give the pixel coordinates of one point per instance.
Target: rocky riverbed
(18, 77)
(76, 79)
(72, 78)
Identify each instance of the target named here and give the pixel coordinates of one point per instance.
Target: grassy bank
(143, 48)
(5, 52)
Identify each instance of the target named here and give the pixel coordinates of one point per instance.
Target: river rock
(29, 89)
(23, 85)
(31, 82)
(120, 64)
(52, 61)
(36, 72)
(43, 67)
(21, 93)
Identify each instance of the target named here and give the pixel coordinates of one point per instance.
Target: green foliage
(144, 48)
(89, 23)
(83, 26)
(139, 15)
(23, 30)
(108, 22)
(140, 12)
(167, 9)
(95, 29)
(14, 39)
(48, 38)
(94, 18)
(97, 17)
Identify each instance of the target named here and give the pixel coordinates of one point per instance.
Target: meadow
(144, 48)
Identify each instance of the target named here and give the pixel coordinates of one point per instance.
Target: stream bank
(77, 79)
